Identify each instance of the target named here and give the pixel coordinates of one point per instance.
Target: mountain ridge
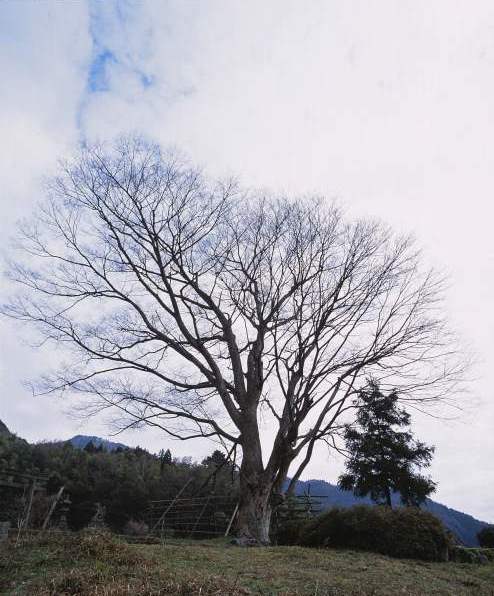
(80, 441)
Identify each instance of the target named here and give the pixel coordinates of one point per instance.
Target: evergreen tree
(384, 459)
(165, 459)
(217, 459)
(90, 447)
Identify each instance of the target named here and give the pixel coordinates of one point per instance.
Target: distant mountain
(3, 429)
(464, 526)
(80, 441)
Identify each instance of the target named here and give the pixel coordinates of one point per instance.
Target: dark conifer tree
(384, 457)
(217, 459)
(165, 459)
(90, 447)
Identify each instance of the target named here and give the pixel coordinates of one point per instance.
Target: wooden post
(231, 520)
(29, 505)
(199, 517)
(52, 509)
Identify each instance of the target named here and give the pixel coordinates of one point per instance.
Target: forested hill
(3, 429)
(124, 480)
(464, 526)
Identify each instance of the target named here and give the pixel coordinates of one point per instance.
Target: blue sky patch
(146, 80)
(98, 71)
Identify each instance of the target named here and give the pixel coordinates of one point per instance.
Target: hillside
(3, 429)
(464, 526)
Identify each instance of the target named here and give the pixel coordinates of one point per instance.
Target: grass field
(97, 564)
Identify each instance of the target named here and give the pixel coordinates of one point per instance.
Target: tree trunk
(254, 514)
(254, 510)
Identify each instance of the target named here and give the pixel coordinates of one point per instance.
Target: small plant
(136, 528)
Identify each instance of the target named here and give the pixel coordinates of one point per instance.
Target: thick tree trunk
(254, 514)
(254, 511)
(257, 491)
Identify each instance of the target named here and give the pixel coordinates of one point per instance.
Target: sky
(385, 107)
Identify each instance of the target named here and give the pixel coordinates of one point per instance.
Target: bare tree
(194, 307)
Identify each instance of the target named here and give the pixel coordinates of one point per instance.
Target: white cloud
(45, 52)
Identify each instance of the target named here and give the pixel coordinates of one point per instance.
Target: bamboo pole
(29, 505)
(199, 517)
(52, 508)
(231, 520)
(162, 517)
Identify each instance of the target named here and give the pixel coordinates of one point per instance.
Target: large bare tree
(208, 312)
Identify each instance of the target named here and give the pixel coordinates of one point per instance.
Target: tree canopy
(204, 309)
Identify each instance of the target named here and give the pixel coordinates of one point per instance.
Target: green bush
(289, 533)
(462, 554)
(290, 516)
(404, 532)
(486, 537)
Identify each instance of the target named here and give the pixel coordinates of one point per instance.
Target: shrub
(462, 554)
(136, 528)
(404, 532)
(486, 537)
(290, 516)
(101, 545)
(290, 532)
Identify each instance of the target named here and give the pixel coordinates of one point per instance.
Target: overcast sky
(385, 106)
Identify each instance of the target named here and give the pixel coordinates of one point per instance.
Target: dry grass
(94, 563)
(98, 564)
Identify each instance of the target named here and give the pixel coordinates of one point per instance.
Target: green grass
(95, 564)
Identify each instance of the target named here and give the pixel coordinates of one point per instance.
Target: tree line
(124, 480)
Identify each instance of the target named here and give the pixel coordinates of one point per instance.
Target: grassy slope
(92, 565)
